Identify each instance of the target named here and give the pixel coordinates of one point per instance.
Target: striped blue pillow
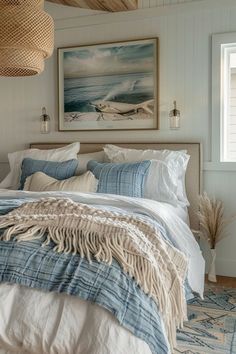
(58, 170)
(120, 178)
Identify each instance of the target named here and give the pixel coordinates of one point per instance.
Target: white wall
(185, 32)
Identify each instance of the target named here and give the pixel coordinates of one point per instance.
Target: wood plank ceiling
(104, 5)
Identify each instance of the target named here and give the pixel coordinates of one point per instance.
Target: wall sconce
(44, 122)
(174, 117)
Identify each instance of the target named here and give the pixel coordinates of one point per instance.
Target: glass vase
(212, 269)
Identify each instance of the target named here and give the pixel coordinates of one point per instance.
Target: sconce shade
(44, 122)
(26, 37)
(174, 117)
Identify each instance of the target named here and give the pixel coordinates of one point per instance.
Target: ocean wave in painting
(85, 94)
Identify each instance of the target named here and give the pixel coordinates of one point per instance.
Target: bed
(89, 306)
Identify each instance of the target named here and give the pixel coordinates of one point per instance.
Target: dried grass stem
(212, 221)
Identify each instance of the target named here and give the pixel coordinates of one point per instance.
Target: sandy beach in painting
(96, 116)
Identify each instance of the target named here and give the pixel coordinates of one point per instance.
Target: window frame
(218, 93)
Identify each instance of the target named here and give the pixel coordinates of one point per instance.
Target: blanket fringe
(147, 261)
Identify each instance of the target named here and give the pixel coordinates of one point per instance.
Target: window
(224, 99)
(228, 111)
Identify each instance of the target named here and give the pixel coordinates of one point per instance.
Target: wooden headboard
(193, 175)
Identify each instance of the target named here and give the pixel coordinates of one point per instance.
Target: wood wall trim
(102, 5)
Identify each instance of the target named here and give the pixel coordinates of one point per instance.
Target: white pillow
(40, 182)
(177, 161)
(161, 183)
(15, 160)
(85, 158)
(6, 182)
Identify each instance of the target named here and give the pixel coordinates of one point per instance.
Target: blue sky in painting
(109, 60)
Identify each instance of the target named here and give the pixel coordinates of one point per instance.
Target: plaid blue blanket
(31, 265)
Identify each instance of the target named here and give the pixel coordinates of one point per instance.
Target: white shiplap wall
(60, 12)
(184, 31)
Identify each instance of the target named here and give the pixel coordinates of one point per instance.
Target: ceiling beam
(103, 5)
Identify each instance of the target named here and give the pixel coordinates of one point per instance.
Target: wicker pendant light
(26, 37)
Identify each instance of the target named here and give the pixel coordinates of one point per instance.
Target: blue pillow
(58, 170)
(120, 178)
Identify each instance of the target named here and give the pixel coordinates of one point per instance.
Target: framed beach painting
(109, 86)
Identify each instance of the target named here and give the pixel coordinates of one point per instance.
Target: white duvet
(35, 322)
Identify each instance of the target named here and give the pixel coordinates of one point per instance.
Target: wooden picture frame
(109, 86)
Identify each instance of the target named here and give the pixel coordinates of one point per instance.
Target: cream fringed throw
(156, 266)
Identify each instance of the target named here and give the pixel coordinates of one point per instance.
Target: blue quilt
(29, 264)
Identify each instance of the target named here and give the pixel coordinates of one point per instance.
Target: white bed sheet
(34, 322)
(180, 211)
(25, 311)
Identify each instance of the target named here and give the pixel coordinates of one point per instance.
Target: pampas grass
(212, 221)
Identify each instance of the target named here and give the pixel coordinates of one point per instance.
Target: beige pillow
(40, 182)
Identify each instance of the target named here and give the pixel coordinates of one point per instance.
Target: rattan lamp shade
(26, 37)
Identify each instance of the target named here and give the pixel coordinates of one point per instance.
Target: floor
(227, 282)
